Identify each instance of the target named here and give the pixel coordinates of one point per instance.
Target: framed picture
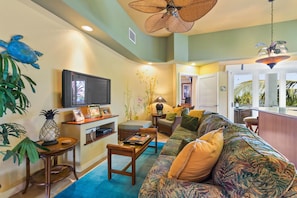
(94, 111)
(105, 111)
(186, 90)
(78, 115)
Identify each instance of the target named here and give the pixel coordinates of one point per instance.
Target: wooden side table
(155, 118)
(52, 172)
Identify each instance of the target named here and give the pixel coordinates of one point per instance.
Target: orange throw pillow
(196, 160)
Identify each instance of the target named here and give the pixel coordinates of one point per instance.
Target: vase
(49, 132)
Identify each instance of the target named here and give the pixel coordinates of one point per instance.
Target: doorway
(187, 89)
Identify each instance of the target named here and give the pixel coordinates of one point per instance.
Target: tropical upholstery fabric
(149, 188)
(212, 122)
(246, 173)
(173, 188)
(247, 167)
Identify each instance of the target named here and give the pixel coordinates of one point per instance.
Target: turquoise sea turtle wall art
(20, 51)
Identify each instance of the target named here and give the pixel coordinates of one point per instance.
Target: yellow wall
(209, 69)
(65, 47)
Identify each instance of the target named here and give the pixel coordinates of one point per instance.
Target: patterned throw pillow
(196, 160)
(189, 122)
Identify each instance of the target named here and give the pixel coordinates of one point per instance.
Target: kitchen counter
(291, 112)
(278, 127)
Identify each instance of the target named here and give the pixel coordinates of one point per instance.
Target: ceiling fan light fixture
(274, 53)
(179, 17)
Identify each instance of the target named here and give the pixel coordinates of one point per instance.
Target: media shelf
(92, 146)
(98, 137)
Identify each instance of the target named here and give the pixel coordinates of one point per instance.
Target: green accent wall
(240, 43)
(110, 17)
(113, 24)
(180, 48)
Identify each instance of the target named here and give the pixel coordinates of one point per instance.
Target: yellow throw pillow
(196, 160)
(196, 113)
(178, 110)
(170, 116)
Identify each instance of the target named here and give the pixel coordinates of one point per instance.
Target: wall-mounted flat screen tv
(80, 89)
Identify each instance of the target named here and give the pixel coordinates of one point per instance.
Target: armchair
(168, 126)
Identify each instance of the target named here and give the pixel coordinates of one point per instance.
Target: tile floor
(39, 192)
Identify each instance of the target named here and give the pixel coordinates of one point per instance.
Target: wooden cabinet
(279, 130)
(240, 113)
(93, 135)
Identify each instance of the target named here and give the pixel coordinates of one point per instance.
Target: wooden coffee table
(133, 151)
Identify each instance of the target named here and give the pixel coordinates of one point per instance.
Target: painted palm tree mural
(243, 93)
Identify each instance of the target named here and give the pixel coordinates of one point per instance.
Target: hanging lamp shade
(276, 52)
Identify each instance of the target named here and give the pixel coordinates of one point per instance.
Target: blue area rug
(96, 184)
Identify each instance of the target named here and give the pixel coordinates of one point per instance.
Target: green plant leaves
(12, 85)
(24, 148)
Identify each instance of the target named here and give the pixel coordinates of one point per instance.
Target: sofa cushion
(159, 169)
(170, 116)
(184, 142)
(189, 122)
(249, 167)
(195, 161)
(292, 192)
(168, 188)
(211, 122)
(164, 121)
(171, 147)
(197, 113)
(180, 133)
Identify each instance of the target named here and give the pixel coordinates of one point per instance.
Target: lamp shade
(160, 99)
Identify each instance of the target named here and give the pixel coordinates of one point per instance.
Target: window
(243, 92)
(291, 89)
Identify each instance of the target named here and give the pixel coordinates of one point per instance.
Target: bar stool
(250, 122)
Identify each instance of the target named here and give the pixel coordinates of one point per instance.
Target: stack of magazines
(137, 139)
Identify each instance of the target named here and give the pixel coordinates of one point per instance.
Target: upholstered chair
(170, 121)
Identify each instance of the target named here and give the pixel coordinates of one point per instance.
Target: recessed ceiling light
(87, 28)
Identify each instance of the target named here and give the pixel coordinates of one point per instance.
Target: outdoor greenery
(243, 93)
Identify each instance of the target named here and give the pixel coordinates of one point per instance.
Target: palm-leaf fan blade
(156, 22)
(196, 10)
(176, 24)
(148, 6)
(181, 3)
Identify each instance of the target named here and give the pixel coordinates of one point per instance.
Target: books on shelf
(137, 139)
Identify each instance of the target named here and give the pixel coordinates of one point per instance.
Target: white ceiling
(228, 14)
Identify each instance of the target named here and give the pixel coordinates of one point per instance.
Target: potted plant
(12, 97)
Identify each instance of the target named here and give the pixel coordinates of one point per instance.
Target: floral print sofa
(247, 167)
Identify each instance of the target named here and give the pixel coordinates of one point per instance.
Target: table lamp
(159, 106)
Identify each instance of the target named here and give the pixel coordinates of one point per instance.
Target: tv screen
(80, 89)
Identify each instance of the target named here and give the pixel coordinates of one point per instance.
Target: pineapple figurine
(50, 130)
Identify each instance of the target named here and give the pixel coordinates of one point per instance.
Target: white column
(271, 89)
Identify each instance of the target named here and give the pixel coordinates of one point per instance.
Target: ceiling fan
(179, 17)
